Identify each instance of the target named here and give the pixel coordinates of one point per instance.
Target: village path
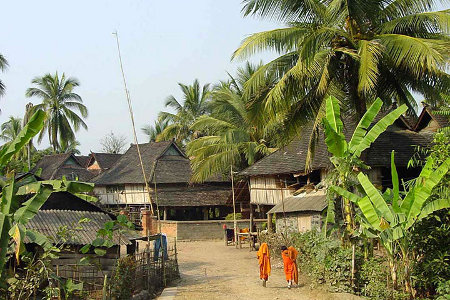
(209, 270)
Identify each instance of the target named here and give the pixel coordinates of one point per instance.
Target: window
(120, 188)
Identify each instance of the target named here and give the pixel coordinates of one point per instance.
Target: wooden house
(66, 164)
(168, 172)
(279, 175)
(300, 213)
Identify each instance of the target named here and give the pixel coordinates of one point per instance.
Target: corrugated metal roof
(50, 223)
(314, 201)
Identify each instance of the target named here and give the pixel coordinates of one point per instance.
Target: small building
(300, 212)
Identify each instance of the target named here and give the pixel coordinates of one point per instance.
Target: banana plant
(346, 156)
(390, 216)
(15, 209)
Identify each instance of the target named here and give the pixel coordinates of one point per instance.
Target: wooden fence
(150, 273)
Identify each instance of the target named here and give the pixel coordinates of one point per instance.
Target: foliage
(69, 147)
(346, 157)
(230, 216)
(443, 291)
(3, 67)
(112, 143)
(432, 264)
(180, 122)
(234, 133)
(152, 131)
(390, 216)
(61, 103)
(373, 275)
(108, 236)
(325, 261)
(122, 282)
(353, 50)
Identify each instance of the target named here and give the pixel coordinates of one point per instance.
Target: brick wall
(202, 230)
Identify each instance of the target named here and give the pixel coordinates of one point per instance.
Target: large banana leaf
(5, 221)
(378, 129)
(333, 114)
(364, 124)
(376, 198)
(395, 185)
(424, 191)
(32, 128)
(335, 141)
(369, 212)
(31, 207)
(346, 194)
(432, 207)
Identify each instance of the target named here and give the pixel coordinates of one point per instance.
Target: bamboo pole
(234, 207)
(130, 108)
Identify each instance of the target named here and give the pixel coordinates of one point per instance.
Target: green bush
(325, 261)
(122, 284)
(230, 216)
(373, 276)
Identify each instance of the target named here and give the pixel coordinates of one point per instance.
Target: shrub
(325, 261)
(373, 276)
(122, 284)
(230, 216)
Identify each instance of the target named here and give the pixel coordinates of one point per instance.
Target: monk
(289, 256)
(264, 263)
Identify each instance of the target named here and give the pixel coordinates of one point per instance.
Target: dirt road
(209, 270)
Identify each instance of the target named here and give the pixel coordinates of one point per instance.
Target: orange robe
(290, 264)
(264, 261)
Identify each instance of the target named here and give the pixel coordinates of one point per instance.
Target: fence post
(176, 258)
(105, 284)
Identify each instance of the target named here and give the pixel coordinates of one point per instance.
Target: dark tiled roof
(106, 160)
(314, 201)
(128, 169)
(194, 195)
(82, 159)
(292, 158)
(50, 222)
(49, 163)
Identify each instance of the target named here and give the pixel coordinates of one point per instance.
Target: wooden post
(269, 223)
(105, 283)
(251, 218)
(165, 213)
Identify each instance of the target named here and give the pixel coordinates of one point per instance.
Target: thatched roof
(163, 162)
(201, 195)
(291, 159)
(58, 165)
(104, 160)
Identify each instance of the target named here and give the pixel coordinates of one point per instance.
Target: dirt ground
(209, 270)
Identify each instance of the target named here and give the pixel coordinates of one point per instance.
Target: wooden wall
(268, 190)
(131, 194)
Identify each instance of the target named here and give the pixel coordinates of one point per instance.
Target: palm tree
(152, 131)
(61, 104)
(3, 67)
(9, 132)
(234, 133)
(354, 50)
(70, 147)
(194, 105)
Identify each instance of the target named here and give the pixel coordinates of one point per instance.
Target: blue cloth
(157, 247)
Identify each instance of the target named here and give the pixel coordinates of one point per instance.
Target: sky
(162, 43)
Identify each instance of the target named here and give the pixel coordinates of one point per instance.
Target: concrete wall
(202, 230)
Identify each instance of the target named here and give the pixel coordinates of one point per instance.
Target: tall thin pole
(127, 93)
(234, 205)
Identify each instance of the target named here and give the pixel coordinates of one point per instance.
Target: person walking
(289, 256)
(263, 256)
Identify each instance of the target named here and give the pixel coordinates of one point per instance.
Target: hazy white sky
(162, 43)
